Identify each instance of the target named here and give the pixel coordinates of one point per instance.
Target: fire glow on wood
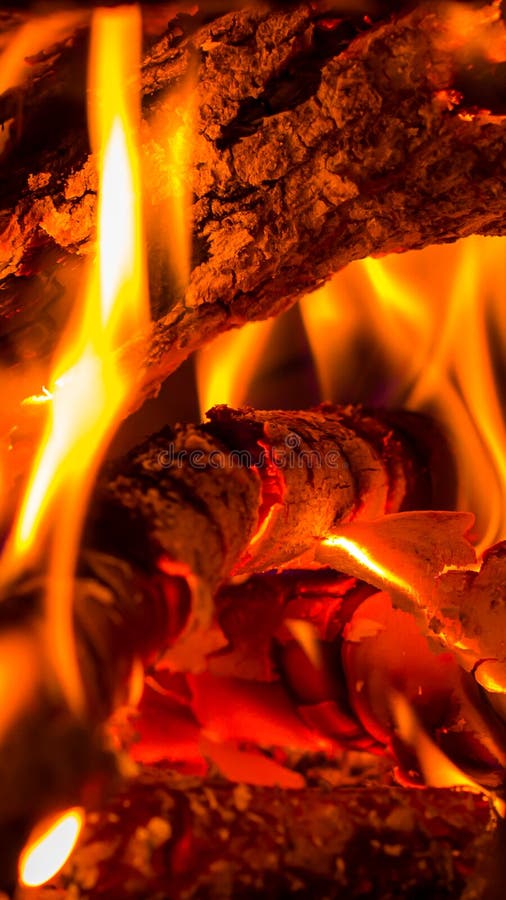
(255, 593)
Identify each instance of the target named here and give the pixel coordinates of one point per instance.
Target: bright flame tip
(47, 852)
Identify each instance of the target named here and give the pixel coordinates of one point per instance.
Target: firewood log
(164, 834)
(169, 523)
(319, 139)
(170, 836)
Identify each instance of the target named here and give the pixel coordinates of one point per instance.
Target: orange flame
(420, 330)
(477, 31)
(90, 387)
(31, 38)
(19, 668)
(437, 769)
(49, 847)
(225, 369)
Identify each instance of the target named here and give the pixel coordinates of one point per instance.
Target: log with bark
(320, 138)
(169, 523)
(321, 842)
(303, 831)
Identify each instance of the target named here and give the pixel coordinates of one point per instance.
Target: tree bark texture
(319, 139)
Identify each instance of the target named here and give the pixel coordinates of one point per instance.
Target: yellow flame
(47, 852)
(225, 369)
(329, 318)
(437, 769)
(421, 330)
(90, 385)
(306, 636)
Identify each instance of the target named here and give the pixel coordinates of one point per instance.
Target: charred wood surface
(167, 836)
(319, 140)
(170, 522)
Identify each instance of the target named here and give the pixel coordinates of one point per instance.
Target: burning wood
(296, 126)
(330, 654)
(169, 523)
(274, 844)
(344, 140)
(167, 818)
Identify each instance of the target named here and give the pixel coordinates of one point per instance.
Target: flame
(477, 31)
(372, 566)
(225, 369)
(422, 330)
(30, 39)
(330, 322)
(437, 769)
(49, 847)
(90, 386)
(306, 636)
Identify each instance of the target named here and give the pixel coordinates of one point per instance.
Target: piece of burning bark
(319, 138)
(169, 836)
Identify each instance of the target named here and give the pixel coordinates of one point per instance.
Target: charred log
(320, 139)
(318, 842)
(170, 522)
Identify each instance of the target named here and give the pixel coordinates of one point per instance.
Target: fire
(31, 38)
(91, 386)
(19, 666)
(423, 330)
(477, 32)
(225, 369)
(437, 769)
(49, 848)
(370, 565)
(330, 322)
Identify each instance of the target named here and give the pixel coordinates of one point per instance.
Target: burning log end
(168, 524)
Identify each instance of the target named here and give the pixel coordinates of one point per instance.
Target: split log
(320, 139)
(169, 523)
(165, 835)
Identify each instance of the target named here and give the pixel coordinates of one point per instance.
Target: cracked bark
(319, 140)
(168, 524)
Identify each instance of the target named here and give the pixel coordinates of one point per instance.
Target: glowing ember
(49, 848)
(90, 386)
